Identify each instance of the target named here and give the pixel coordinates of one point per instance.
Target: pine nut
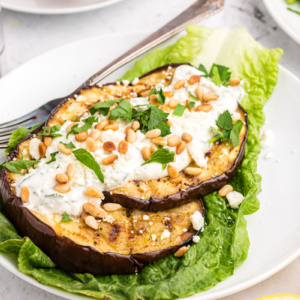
(193, 79)
(165, 108)
(126, 129)
(146, 153)
(25, 194)
(71, 170)
(169, 94)
(204, 107)
(91, 145)
(95, 211)
(102, 124)
(61, 178)
(135, 125)
(199, 92)
(234, 81)
(42, 149)
(145, 93)
(111, 206)
(63, 149)
(109, 146)
(180, 147)
(95, 134)
(81, 136)
(68, 129)
(179, 84)
(192, 171)
(123, 147)
(85, 215)
(131, 136)
(48, 140)
(94, 192)
(113, 127)
(109, 160)
(225, 190)
(153, 97)
(62, 188)
(173, 140)
(159, 141)
(91, 222)
(181, 251)
(173, 172)
(153, 148)
(173, 103)
(170, 123)
(210, 97)
(187, 137)
(153, 133)
(187, 102)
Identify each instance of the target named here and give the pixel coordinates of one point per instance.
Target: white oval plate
(287, 20)
(49, 7)
(274, 230)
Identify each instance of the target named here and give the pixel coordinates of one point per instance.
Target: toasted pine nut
(113, 127)
(62, 188)
(109, 160)
(225, 190)
(131, 136)
(173, 103)
(111, 206)
(173, 140)
(91, 222)
(91, 145)
(194, 78)
(234, 81)
(71, 170)
(187, 102)
(204, 107)
(81, 136)
(159, 141)
(146, 153)
(94, 192)
(210, 97)
(173, 172)
(63, 148)
(42, 149)
(123, 147)
(95, 134)
(48, 140)
(109, 146)
(25, 194)
(70, 126)
(145, 93)
(85, 215)
(199, 92)
(102, 124)
(61, 178)
(193, 171)
(169, 94)
(187, 137)
(170, 123)
(153, 133)
(126, 129)
(165, 108)
(181, 251)
(95, 211)
(135, 125)
(179, 84)
(153, 148)
(180, 147)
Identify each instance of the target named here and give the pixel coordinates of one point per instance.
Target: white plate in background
(274, 230)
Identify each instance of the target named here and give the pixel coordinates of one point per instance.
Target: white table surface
(27, 36)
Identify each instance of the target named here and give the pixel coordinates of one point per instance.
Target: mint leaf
(225, 121)
(69, 145)
(88, 160)
(50, 131)
(193, 97)
(122, 111)
(203, 69)
(162, 156)
(179, 110)
(160, 95)
(14, 165)
(191, 104)
(104, 106)
(88, 124)
(53, 158)
(16, 137)
(164, 128)
(219, 74)
(66, 218)
(234, 133)
(215, 76)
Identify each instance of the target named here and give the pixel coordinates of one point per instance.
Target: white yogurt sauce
(41, 179)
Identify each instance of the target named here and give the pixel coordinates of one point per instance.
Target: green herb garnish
(54, 195)
(104, 106)
(14, 165)
(160, 95)
(122, 111)
(88, 160)
(162, 156)
(53, 158)
(88, 123)
(50, 131)
(218, 74)
(69, 145)
(294, 11)
(66, 218)
(164, 128)
(179, 109)
(193, 97)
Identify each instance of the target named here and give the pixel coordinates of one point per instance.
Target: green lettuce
(224, 243)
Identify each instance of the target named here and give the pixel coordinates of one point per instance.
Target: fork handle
(200, 10)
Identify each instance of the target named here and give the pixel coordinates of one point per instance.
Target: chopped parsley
(160, 95)
(66, 218)
(53, 158)
(50, 131)
(104, 106)
(88, 123)
(122, 111)
(162, 156)
(218, 74)
(14, 165)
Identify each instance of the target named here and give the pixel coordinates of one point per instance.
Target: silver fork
(198, 11)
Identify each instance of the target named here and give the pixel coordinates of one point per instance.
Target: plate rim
(280, 22)
(57, 11)
(215, 295)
